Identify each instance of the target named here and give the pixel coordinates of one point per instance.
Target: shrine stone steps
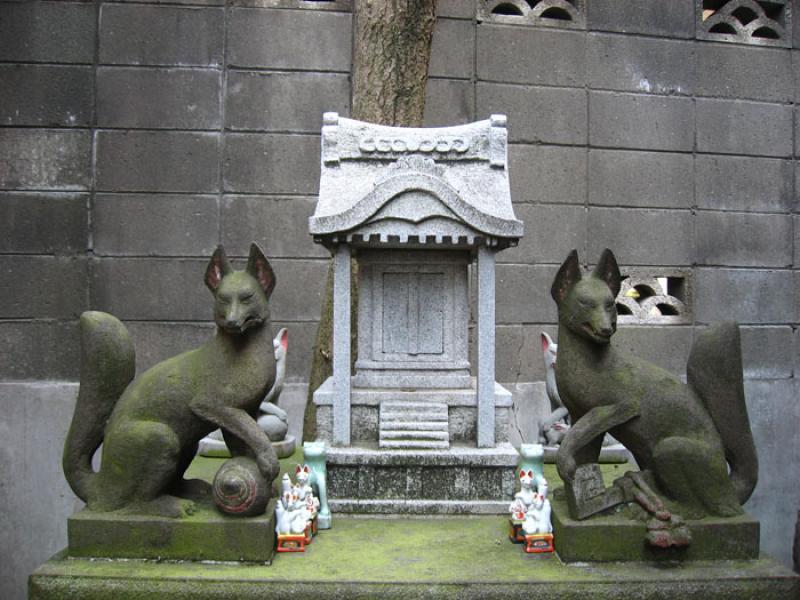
(414, 425)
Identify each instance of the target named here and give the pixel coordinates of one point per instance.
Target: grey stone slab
(298, 293)
(667, 346)
(765, 352)
(519, 354)
(774, 413)
(635, 64)
(125, 288)
(304, 40)
(645, 179)
(735, 127)
(158, 98)
(551, 232)
(61, 32)
(41, 349)
(638, 121)
(189, 2)
(531, 282)
(449, 102)
(551, 174)
(45, 159)
(277, 224)
(337, 5)
(36, 416)
(452, 49)
(531, 55)
(157, 341)
(155, 225)
(745, 240)
(46, 95)
(260, 101)
(641, 236)
(796, 260)
(744, 183)
(42, 287)
(136, 34)
(672, 19)
(157, 161)
(271, 163)
(761, 296)
(537, 114)
(737, 71)
(455, 9)
(36, 223)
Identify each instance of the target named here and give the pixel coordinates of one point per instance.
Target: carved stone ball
(239, 489)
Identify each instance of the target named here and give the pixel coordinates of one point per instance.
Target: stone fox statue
(150, 427)
(693, 440)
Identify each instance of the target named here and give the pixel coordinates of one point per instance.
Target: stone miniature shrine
(411, 429)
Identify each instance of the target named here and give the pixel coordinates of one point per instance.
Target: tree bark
(391, 52)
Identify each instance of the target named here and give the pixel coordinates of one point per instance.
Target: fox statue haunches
(150, 427)
(684, 437)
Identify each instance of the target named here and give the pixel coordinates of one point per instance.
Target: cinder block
(284, 101)
(519, 352)
(774, 413)
(155, 342)
(636, 64)
(764, 352)
(150, 289)
(523, 294)
(737, 71)
(649, 179)
(45, 159)
(41, 349)
(155, 225)
(52, 223)
(637, 121)
(457, 9)
(61, 32)
(537, 114)
(302, 335)
(278, 225)
(796, 261)
(299, 289)
(50, 287)
(191, 2)
(449, 102)
(668, 346)
(271, 163)
(160, 35)
(753, 128)
(46, 95)
(641, 236)
(158, 98)
(744, 183)
(551, 174)
(336, 5)
(157, 161)
(452, 49)
(531, 55)
(672, 19)
(744, 295)
(281, 39)
(744, 240)
(551, 232)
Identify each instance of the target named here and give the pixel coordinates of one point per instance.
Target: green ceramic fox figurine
(693, 442)
(150, 426)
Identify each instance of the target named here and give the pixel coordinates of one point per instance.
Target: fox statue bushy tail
(107, 367)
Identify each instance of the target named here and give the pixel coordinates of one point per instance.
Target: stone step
(413, 425)
(414, 435)
(414, 445)
(433, 407)
(405, 416)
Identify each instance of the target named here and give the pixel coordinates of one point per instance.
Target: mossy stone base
(204, 535)
(617, 537)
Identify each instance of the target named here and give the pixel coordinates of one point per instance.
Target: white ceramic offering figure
(290, 513)
(537, 517)
(304, 491)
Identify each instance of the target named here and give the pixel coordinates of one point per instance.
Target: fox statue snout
(150, 427)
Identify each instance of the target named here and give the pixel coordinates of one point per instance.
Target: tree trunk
(391, 52)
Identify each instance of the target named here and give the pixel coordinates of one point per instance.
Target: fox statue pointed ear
(607, 270)
(258, 266)
(218, 267)
(568, 275)
(547, 341)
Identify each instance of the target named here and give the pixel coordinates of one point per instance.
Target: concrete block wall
(137, 135)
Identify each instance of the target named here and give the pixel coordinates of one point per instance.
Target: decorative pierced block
(539, 543)
(654, 298)
(761, 22)
(546, 13)
(340, 5)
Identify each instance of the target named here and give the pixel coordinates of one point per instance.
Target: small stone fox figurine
(693, 442)
(150, 427)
